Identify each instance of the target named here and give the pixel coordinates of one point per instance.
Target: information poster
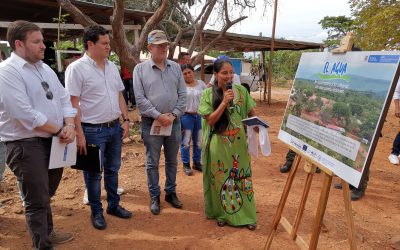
(335, 106)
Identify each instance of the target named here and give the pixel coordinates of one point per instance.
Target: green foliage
(310, 106)
(356, 109)
(231, 54)
(377, 24)
(318, 101)
(285, 63)
(337, 26)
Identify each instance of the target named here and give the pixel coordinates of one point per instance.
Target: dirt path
(376, 216)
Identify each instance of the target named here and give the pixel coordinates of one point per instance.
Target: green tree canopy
(377, 24)
(337, 26)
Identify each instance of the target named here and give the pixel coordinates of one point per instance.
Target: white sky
(296, 19)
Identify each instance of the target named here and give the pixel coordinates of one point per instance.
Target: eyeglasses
(46, 87)
(161, 46)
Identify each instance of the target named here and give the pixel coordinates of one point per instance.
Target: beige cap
(157, 37)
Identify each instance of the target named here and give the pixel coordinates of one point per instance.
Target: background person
(160, 93)
(191, 120)
(3, 56)
(227, 179)
(128, 84)
(394, 155)
(184, 58)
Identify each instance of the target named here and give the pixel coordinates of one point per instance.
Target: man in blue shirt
(160, 93)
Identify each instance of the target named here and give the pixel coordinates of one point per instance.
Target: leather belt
(33, 139)
(110, 124)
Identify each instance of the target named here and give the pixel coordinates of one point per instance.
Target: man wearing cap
(96, 89)
(160, 93)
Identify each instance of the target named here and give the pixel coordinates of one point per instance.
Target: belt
(110, 124)
(33, 139)
(191, 113)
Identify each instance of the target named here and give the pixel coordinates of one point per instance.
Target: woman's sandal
(251, 227)
(221, 223)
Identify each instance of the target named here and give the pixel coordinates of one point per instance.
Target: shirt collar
(88, 59)
(21, 62)
(152, 63)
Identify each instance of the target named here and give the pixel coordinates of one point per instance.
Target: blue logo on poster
(383, 58)
(304, 147)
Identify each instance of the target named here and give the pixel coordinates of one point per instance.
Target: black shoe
(187, 169)
(155, 205)
(198, 167)
(357, 194)
(98, 221)
(120, 212)
(286, 167)
(173, 200)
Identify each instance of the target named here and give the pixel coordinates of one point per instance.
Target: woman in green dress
(227, 183)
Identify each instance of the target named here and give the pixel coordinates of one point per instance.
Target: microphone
(229, 86)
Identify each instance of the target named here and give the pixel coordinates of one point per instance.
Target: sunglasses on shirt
(46, 87)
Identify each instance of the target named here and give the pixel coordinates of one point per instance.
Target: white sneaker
(120, 191)
(394, 159)
(85, 199)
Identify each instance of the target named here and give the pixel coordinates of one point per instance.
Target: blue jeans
(110, 142)
(396, 145)
(153, 145)
(191, 130)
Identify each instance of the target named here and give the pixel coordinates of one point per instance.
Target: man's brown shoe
(60, 238)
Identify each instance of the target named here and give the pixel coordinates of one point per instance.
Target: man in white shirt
(33, 107)
(96, 89)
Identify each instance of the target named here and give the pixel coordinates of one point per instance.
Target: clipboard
(91, 161)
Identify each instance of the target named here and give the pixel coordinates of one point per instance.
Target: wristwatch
(70, 125)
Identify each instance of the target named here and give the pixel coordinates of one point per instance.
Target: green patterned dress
(227, 183)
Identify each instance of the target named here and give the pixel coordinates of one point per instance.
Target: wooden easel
(310, 167)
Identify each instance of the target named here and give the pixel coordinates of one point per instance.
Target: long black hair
(217, 97)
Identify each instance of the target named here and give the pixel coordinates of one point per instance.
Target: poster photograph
(336, 105)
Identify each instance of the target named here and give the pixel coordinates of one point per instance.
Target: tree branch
(198, 57)
(76, 13)
(122, 46)
(150, 24)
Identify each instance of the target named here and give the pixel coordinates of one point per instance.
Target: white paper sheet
(62, 154)
(158, 129)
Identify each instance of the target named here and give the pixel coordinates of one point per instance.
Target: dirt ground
(376, 216)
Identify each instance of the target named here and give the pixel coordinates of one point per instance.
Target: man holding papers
(96, 91)
(160, 93)
(33, 107)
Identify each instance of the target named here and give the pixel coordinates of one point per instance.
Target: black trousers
(29, 161)
(128, 92)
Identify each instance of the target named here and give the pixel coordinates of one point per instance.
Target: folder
(91, 161)
(254, 121)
